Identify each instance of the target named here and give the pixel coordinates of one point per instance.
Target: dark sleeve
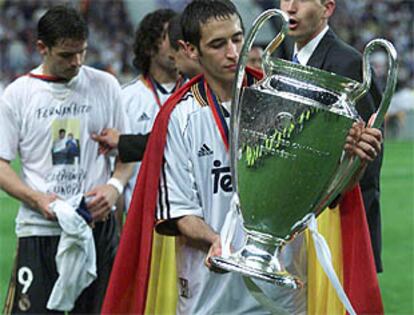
(131, 148)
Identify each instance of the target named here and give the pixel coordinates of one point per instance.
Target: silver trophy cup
(287, 150)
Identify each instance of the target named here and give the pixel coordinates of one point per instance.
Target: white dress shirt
(306, 52)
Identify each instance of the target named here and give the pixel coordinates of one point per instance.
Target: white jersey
(50, 125)
(196, 180)
(142, 108)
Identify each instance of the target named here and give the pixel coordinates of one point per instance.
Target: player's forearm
(14, 186)
(196, 230)
(123, 171)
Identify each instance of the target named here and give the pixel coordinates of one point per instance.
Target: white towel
(75, 258)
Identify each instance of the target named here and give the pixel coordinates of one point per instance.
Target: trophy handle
(275, 43)
(240, 72)
(353, 163)
(363, 88)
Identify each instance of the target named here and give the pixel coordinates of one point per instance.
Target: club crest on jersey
(24, 303)
(221, 177)
(204, 151)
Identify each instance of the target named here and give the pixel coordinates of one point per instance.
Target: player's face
(65, 59)
(219, 49)
(164, 58)
(307, 17)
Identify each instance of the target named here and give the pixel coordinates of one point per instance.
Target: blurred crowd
(109, 43)
(357, 22)
(111, 34)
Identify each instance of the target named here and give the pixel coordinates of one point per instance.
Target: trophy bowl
(287, 139)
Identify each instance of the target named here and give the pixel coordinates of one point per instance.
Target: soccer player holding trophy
(198, 177)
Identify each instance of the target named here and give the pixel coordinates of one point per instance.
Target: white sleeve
(9, 130)
(177, 192)
(126, 102)
(119, 119)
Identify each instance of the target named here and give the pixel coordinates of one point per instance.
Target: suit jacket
(334, 55)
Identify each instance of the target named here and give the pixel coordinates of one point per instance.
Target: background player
(59, 94)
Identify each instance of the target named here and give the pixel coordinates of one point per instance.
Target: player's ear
(41, 47)
(192, 52)
(184, 46)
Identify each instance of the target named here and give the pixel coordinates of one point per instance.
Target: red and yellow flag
(345, 229)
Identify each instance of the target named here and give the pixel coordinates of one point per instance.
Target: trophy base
(259, 258)
(283, 279)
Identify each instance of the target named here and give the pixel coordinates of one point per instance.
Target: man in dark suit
(311, 42)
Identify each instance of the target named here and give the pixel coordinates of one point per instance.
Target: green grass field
(397, 197)
(8, 210)
(397, 202)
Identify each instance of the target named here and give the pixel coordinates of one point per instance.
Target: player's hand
(354, 134)
(42, 202)
(364, 142)
(108, 140)
(215, 250)
(369, 145)
(103, 199)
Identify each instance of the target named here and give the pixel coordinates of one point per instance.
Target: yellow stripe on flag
(322, 298)
(162, 286)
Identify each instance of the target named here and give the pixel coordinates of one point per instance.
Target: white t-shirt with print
(32, 114)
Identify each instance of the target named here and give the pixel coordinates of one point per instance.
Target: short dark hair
(148, 36)
(175, 32)
(199, 12)
(61, 22)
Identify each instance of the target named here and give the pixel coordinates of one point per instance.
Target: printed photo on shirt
(66, 148)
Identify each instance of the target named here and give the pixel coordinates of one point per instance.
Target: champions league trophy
(287, 150)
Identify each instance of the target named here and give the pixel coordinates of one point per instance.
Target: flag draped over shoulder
(360, 276)
(162, 284)
(346, 230)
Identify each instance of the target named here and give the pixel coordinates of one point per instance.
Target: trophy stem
(259, 258)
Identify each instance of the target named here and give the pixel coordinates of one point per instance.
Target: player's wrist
(116, 138)
(36, 201)
(40, 202)
(214, 238)
(117, 184)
